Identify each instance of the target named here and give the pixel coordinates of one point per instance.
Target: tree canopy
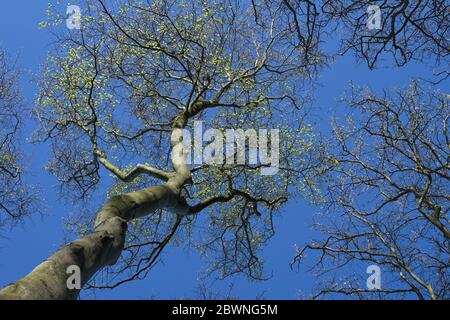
(121, 102)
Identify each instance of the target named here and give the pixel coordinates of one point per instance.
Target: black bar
(223, 309)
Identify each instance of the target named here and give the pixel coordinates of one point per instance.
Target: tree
(15, 200)
(122, 89)
(387, 200)
(118, 95)
(408, 30)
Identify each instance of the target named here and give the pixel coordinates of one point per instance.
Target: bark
(100, 248)
(104, 245)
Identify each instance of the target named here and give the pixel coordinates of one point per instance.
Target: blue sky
(24, 246)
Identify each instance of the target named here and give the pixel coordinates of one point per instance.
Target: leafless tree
(387, 200)
(16, 199)
(409, 29)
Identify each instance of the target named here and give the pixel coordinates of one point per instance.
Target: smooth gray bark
(100, 248)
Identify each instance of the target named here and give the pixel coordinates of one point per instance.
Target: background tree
(410, 30)
(117, 92)
(387, 200)
(16, 199)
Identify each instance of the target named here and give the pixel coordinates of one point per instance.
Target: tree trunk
(100, 248)
(104, 245)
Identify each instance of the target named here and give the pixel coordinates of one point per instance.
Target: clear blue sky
(25, 246)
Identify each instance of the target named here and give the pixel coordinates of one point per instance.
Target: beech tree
(119, 98)
(114, 97)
